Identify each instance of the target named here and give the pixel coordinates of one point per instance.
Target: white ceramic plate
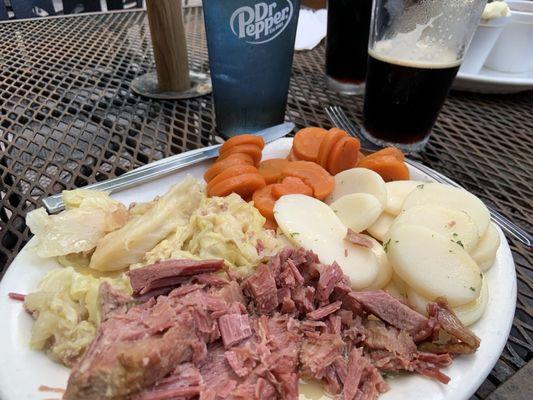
(489, 81)
(22, 370)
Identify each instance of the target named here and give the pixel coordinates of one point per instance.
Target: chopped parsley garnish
(421, 186)
(472, 289)
(293, 234)
(460, 244)
(455, 234)
(386, 246)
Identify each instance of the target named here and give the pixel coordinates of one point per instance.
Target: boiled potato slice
(433, 265)
(485, 251)
(450, 197)
(382, 225)
(455, 225)
(396, 288)
(397, 191)
(357, 211)
(471, 312)
(313, 225)
(358, 180)
(384, 268)
(467, 313)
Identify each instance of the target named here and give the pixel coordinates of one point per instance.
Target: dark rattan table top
(68, 118)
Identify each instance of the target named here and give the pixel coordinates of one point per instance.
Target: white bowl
(513, 50)
(482, 43)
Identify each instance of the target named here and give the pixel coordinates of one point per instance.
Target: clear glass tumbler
(347, 45)
(415, 50)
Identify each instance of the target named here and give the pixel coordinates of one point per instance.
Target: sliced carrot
(242, 139)
(230, 172)
(313, 175)
(292, 156)
(388, 151)
(271, 169)
(388, 166)
(264, 201)
(270, 224)
(219, 166)
(307, 142)
(333, 136)
(244, 185)
(250, 149)
(291, 185)
(343, 155)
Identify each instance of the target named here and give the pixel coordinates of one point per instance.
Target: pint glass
(347, 44)
(251, 45)
(415, 50)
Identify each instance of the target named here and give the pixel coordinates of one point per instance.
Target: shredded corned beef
(189, 334)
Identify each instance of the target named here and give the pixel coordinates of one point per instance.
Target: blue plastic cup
(251, 45)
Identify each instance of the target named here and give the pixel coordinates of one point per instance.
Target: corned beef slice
(169, 273)
(206, 340)
(392, 311)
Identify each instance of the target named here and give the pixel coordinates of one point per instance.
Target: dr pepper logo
(261, 23)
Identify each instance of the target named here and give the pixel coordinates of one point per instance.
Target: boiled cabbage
(226, 228)
(67, 313)
(89, 215)
(128, 245)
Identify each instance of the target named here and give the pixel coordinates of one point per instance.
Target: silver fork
(338, 117)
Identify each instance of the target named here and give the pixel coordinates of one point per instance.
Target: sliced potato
(382, 225)
(485, 251)
(397, 288)
(471, 312)
(450, 197)
(455, 225)
(397, 191)
(467, 313)
(433, 265)
(358, 180)
(313, 225)
(357, 211)
(384, 268)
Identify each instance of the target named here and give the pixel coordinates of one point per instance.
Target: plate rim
(504, 251)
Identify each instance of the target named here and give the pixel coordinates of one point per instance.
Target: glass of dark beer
(414, 52)
(347, 44)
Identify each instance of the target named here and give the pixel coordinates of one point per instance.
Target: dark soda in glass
(347, 44)
(403, 99)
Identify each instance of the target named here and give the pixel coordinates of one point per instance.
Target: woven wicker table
(68, 118)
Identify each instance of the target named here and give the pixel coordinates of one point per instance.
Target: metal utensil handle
(142, 174)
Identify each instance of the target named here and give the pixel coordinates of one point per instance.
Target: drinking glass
(415, 50)
(250, 45)
(347, 44)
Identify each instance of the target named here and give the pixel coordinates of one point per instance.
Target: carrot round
(271, 169)
(270, 224)
(333, 136)
(343, 155)
(264, 201)
(292, 156)
(306, 143)
(230, 172)
(388, 151)
(313, 175)
(388, 166)
(242, 139)
(219, 166)
(244, 185)
(291, 185)
(250, 149)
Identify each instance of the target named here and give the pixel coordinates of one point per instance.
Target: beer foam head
(403, 50)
